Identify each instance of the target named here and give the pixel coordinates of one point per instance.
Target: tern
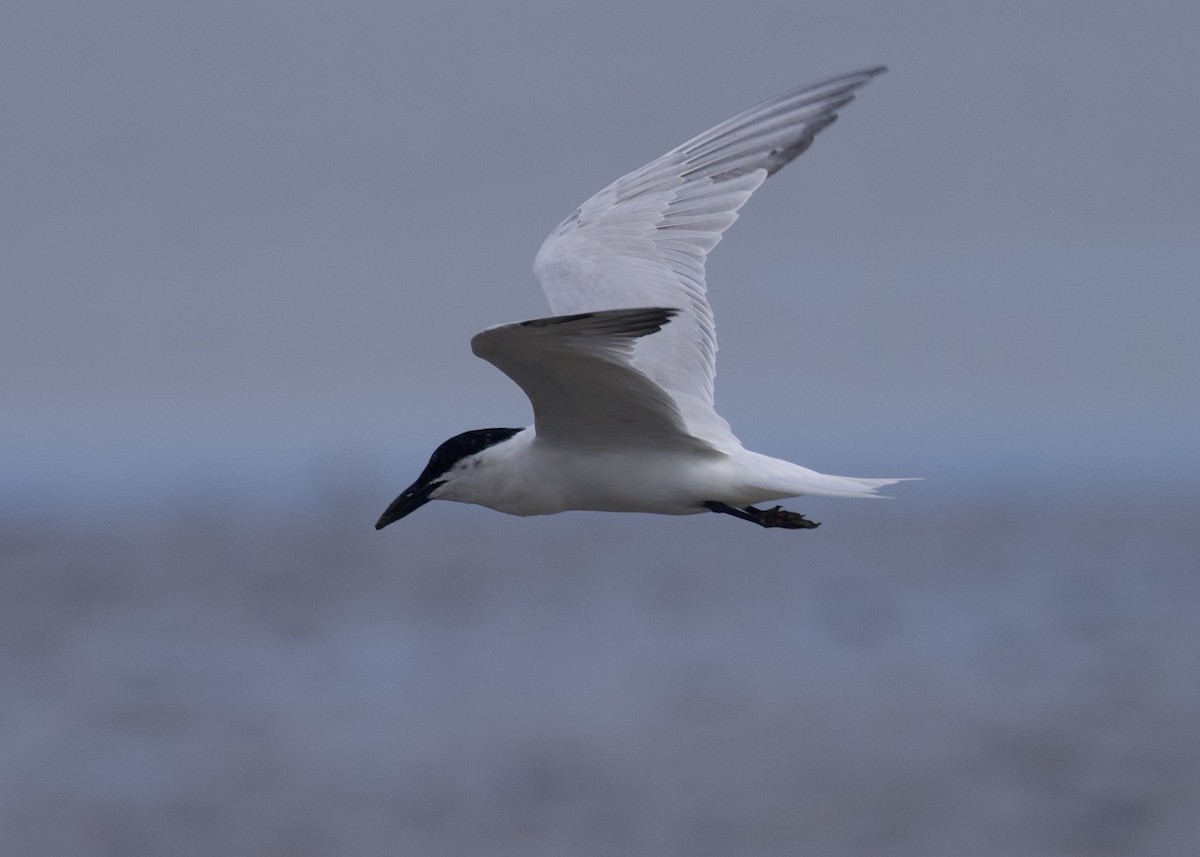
(621, 377)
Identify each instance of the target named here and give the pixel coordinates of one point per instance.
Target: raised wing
(643, 240)
(578, 374)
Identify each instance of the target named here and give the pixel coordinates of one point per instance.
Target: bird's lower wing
(578, 373)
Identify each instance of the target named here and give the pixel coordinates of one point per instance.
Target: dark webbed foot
(780, 517)
(776, 517)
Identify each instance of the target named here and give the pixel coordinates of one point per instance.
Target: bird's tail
(792, 480)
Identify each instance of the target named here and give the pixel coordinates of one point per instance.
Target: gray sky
(243, 237)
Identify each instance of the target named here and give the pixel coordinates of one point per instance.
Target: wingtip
(869, 72)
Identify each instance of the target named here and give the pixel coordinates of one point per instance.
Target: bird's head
(440, 470)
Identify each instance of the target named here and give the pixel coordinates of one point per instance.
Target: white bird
(621, 378)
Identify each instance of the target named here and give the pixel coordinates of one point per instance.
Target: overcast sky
(239, 233)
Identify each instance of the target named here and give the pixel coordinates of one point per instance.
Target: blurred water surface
(984, 675)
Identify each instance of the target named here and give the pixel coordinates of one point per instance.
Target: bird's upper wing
(643, 240)
(578, 373)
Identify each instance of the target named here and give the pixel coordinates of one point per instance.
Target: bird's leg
(776, 517)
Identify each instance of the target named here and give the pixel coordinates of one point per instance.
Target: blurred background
(244, 248)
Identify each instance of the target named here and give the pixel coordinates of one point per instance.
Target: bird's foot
(775, 517)
(780, 517)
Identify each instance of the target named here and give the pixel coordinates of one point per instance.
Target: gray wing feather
(578, 373)
(644, 239)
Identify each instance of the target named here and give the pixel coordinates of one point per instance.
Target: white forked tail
(793, 480)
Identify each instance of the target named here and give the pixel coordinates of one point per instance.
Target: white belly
(546, 480)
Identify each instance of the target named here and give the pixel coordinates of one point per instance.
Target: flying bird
(621, 377)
